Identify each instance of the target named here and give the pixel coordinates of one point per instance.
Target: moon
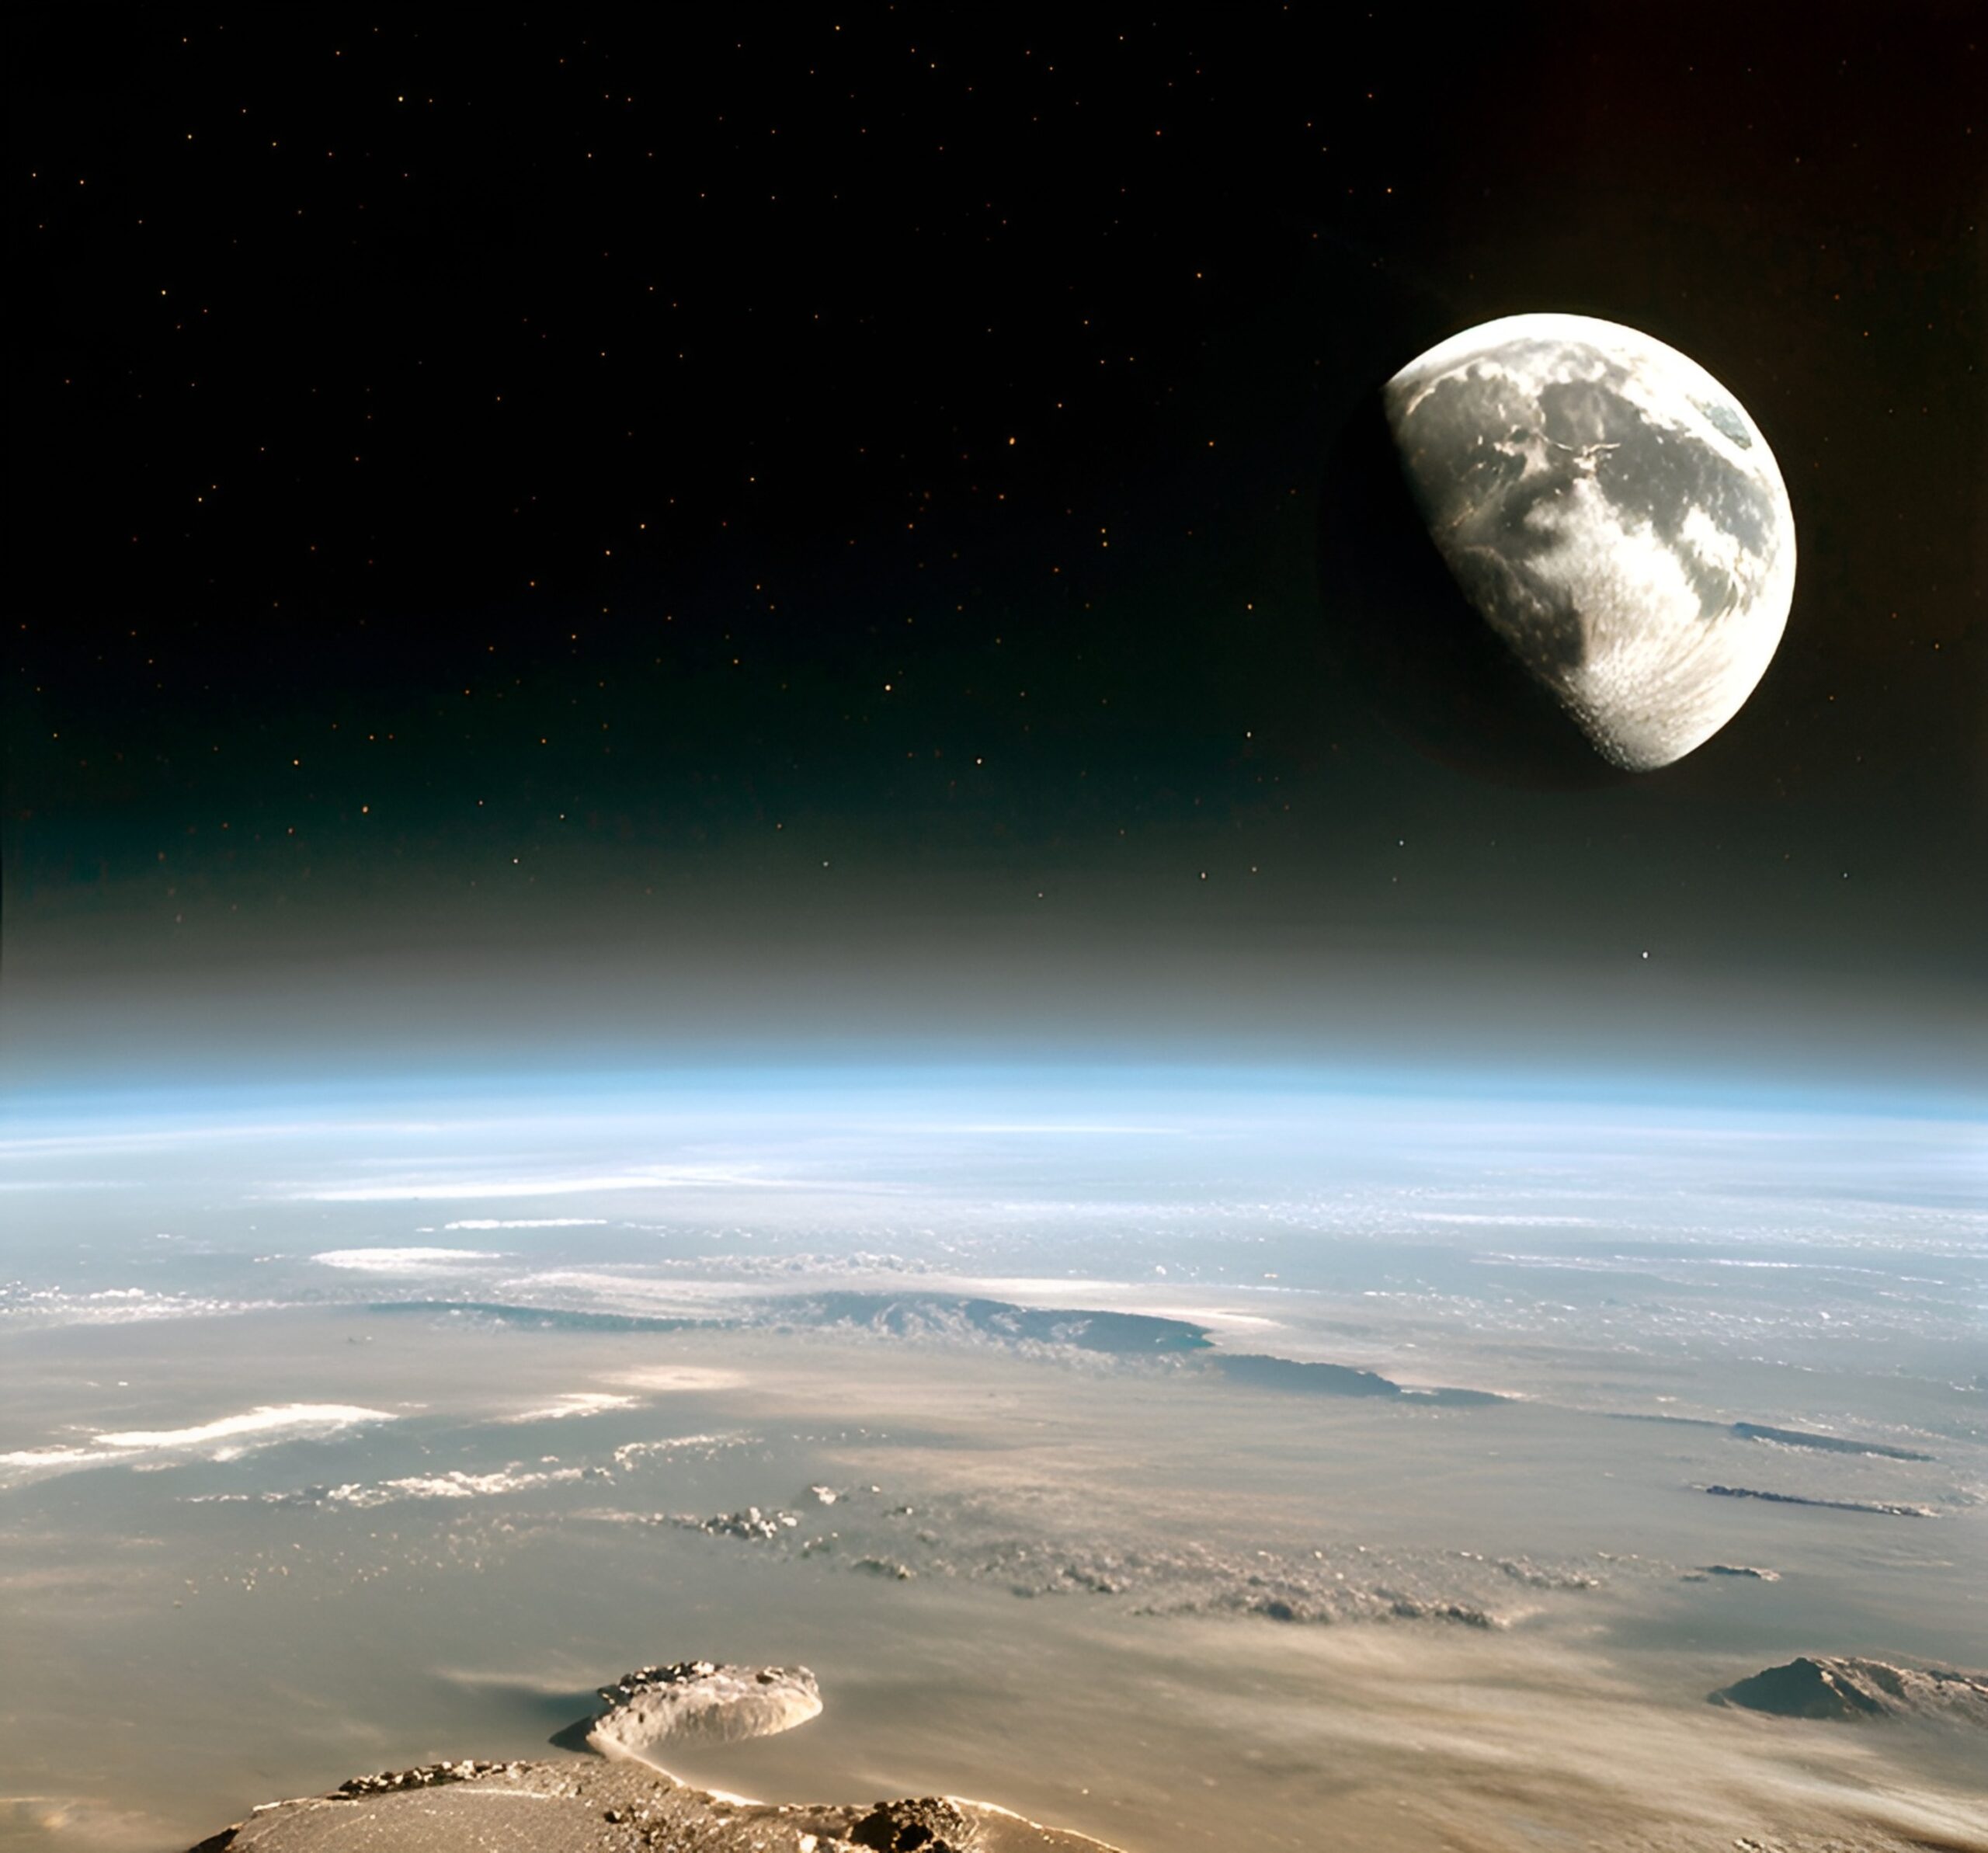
(1613, 513)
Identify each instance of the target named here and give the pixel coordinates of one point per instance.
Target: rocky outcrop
(1824, 1444)
(1084, 1549)
(1883, 1508)
(940, 1316)
(926, 1824)
(698, 1701)
(751, 1523)
(1259, 1371)
(583, 1805)
(1288, 1374)
(1827, 1686)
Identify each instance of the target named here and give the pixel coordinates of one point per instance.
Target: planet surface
(1094, 1437)
(1614, 515)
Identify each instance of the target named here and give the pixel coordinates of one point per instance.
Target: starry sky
(667, 536)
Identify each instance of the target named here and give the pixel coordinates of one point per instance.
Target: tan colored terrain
(585, 1806)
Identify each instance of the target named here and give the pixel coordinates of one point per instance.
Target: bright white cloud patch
(447, 1190)
(530, 1222)
(255, 1422)
(401, 1261)
(575, 1403)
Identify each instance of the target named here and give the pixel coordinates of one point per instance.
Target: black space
(485, 480)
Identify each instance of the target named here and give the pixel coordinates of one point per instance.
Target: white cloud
(255, 1421)
(401, 1261)
(530, 1222)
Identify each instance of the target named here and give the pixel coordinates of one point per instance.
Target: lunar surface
(1612, 512)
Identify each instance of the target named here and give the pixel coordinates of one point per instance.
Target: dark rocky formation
(1830, 1688)
(584, 1805)
(1787, 1437)
(927, 1824)
(912, 1314)
(1826, 1443)
(1885, 1508)
(1260, 1370)
(936, 1315)
(1309, 1379)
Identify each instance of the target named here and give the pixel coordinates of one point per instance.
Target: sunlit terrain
(1190, 1461)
